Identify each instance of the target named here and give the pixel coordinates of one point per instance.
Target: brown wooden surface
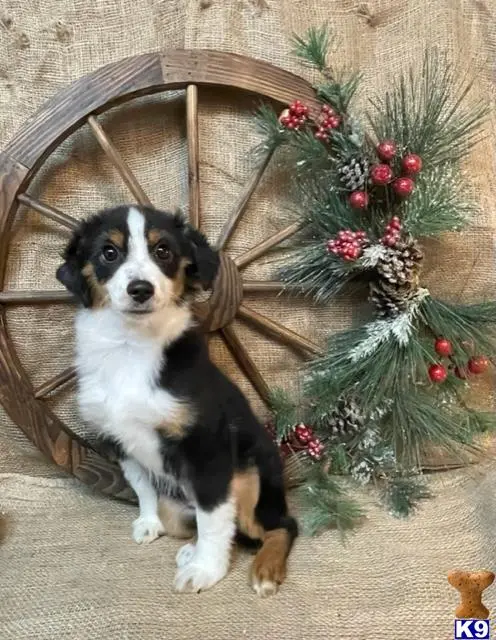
(245, 362)
(193, 137)
(263, 247)
(227, 293)
(50, 212)
(258, 286)
(53, 123)
(35, 297)
(60, 380)
(118, 162)
(278, 331)
(233, 220)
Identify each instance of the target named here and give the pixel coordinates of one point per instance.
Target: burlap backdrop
(68, 568)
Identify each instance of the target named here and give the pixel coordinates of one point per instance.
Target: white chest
(118, 392)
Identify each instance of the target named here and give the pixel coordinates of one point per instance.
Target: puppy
(179, 428)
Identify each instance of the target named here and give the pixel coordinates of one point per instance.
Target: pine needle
(403, 493)
(314, 46)
(426, 113)
(285, 412)
(328, 505)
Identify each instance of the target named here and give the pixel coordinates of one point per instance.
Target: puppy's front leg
(203, 564)
(148, 527)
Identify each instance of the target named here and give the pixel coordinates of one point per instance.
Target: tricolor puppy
(180, 429)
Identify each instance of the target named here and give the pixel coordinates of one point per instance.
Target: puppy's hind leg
(268, 571)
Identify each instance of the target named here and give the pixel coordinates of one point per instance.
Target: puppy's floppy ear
(204, 259)
(70, 273)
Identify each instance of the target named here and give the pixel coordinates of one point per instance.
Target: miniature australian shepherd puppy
(181, 431)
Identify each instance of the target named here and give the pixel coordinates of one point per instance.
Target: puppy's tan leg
(177, 518)
(269, 567)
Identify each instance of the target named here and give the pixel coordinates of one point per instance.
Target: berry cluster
(348, 244)
(439, 372)
(392, 232)
(301, 438)
(382, 174)
(295, 116)
(306, 436)
(329, 120)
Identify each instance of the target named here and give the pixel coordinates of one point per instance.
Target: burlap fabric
(68, 568)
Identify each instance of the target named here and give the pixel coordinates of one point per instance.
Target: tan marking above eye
(153, 236)
(116, 237)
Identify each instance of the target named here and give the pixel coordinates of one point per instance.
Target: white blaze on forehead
(137, 244)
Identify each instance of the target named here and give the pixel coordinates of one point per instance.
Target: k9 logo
(465, 629)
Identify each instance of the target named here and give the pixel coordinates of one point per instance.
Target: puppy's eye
(162, 252)
(109, 253)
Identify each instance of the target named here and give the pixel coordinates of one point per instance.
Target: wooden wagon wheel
(80, 104)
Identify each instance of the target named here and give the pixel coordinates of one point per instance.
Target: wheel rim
(73, 107)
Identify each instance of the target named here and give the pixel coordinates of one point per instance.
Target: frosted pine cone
(400, 265)
(345, 421)
(354, 173)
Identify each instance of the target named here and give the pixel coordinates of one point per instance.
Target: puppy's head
(136, 260)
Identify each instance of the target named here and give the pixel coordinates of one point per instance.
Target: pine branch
(340, 92)
(425, 113)
(274, 135)
(418, 420)
(285, 412)
(439, 203)
(472, 326)
(314, 46)
(403, 493)
(478, 422)
(328, 505)
(318, 273)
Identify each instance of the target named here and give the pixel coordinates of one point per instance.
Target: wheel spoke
(193, 154)
(118, 162)
(68, 375)
(48, 211)
(245, 362)
(262, 248)
(233, 220)
(279, 331)
(260, 286)
(35, 297)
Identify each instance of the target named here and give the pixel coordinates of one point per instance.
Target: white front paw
(185, 554)
(196, 573)
(147, 529)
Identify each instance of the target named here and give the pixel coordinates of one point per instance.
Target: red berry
(386, 150)
(411, 163)
(359, 200)
(333, 121)
(478, 364)
(303, 433)
(390, 240)
(395, 223)
(328, 110)
(381, 174)
(443, 347)
(403, 186)
(291, 125)
(437, 373)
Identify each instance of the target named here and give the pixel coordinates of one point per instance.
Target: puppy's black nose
(140, 290)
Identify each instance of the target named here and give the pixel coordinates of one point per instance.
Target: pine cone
(345, 421)
(396, 282)
(400, 265)
(353, 173)
(390, 301)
